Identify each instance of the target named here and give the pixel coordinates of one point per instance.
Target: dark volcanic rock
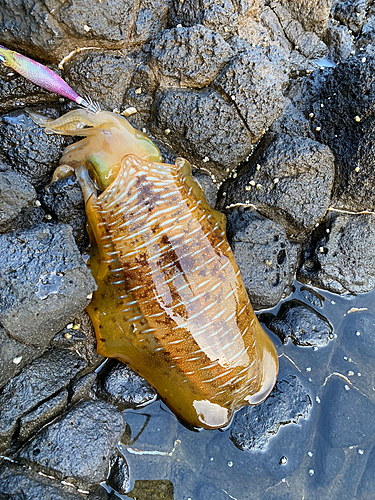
(203, 127)
(28, 149)
(63, 199)
(254, 425)
(16, 194)
(289, 180)
(191, 56)
(83, 388)
(343, 259)
(217, 15)
(104, 76)
(36, 382)
(43, 282)
(14, 356)
(340, 42)
(345, 114)
(80, 444)
(266, 258)
(254, 84)
(50, 29)
(17, 92)
(345, 417)
(119, 478)
(42, 414)
(351, 13)
(19, 483)
(300, 323)
(124, 388)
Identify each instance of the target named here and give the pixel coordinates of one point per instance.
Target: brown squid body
(170, 301)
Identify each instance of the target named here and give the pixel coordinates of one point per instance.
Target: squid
(170, 301)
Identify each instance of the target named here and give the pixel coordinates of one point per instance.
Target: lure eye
(101, 173)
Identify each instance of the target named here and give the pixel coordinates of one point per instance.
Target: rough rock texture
(217, 15)
(119, 478)
(36, 383)
(351, 13)
(312, 14)
(42, 414)
(300, 323)
(254, 425)
(254, 84)
(17, 92)
(103, 75)
(345, 114)
(63, 200)
(80, 444)
(83, 388)
(340, 41)
(16, 194)
(189, 56)
(19, 483)
(43, 282)
(289, 180)
(203, 127)
(124, 388)
(50, 29)
(28, 149)
(267, 260)
(343, 259)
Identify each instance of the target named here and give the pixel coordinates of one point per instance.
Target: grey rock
(42, 414)
(343, 259)
(18, 483)
(339, 41)
(367, 35)
(83, 388)
(313, 297)
(124, 388)
(69, 337)
(266, 258)
(344, 111)
(119, 478)
(305, 41)
(80, 444)
(204, 127)
(253, 426)
(64, 201)
(352, 13)
(312, 14)
(36, 382)
(17, 92)
(51, 28)
(344, 418)
(103, 75)
(254, 83)
(289, 179)
(44, 283)
(190, 56)
(218, 15)
(14, 356)
(292, 122)
(28, 149)
(16, 195)
(300, 323)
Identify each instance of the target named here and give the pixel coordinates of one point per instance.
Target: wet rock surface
(265, 256)
(27, 149)
(123, 388)
(254, 425)
(44, 282)
(342, 260)
(37, 382)
(289, 181)
(299, 323)
(80, 444)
